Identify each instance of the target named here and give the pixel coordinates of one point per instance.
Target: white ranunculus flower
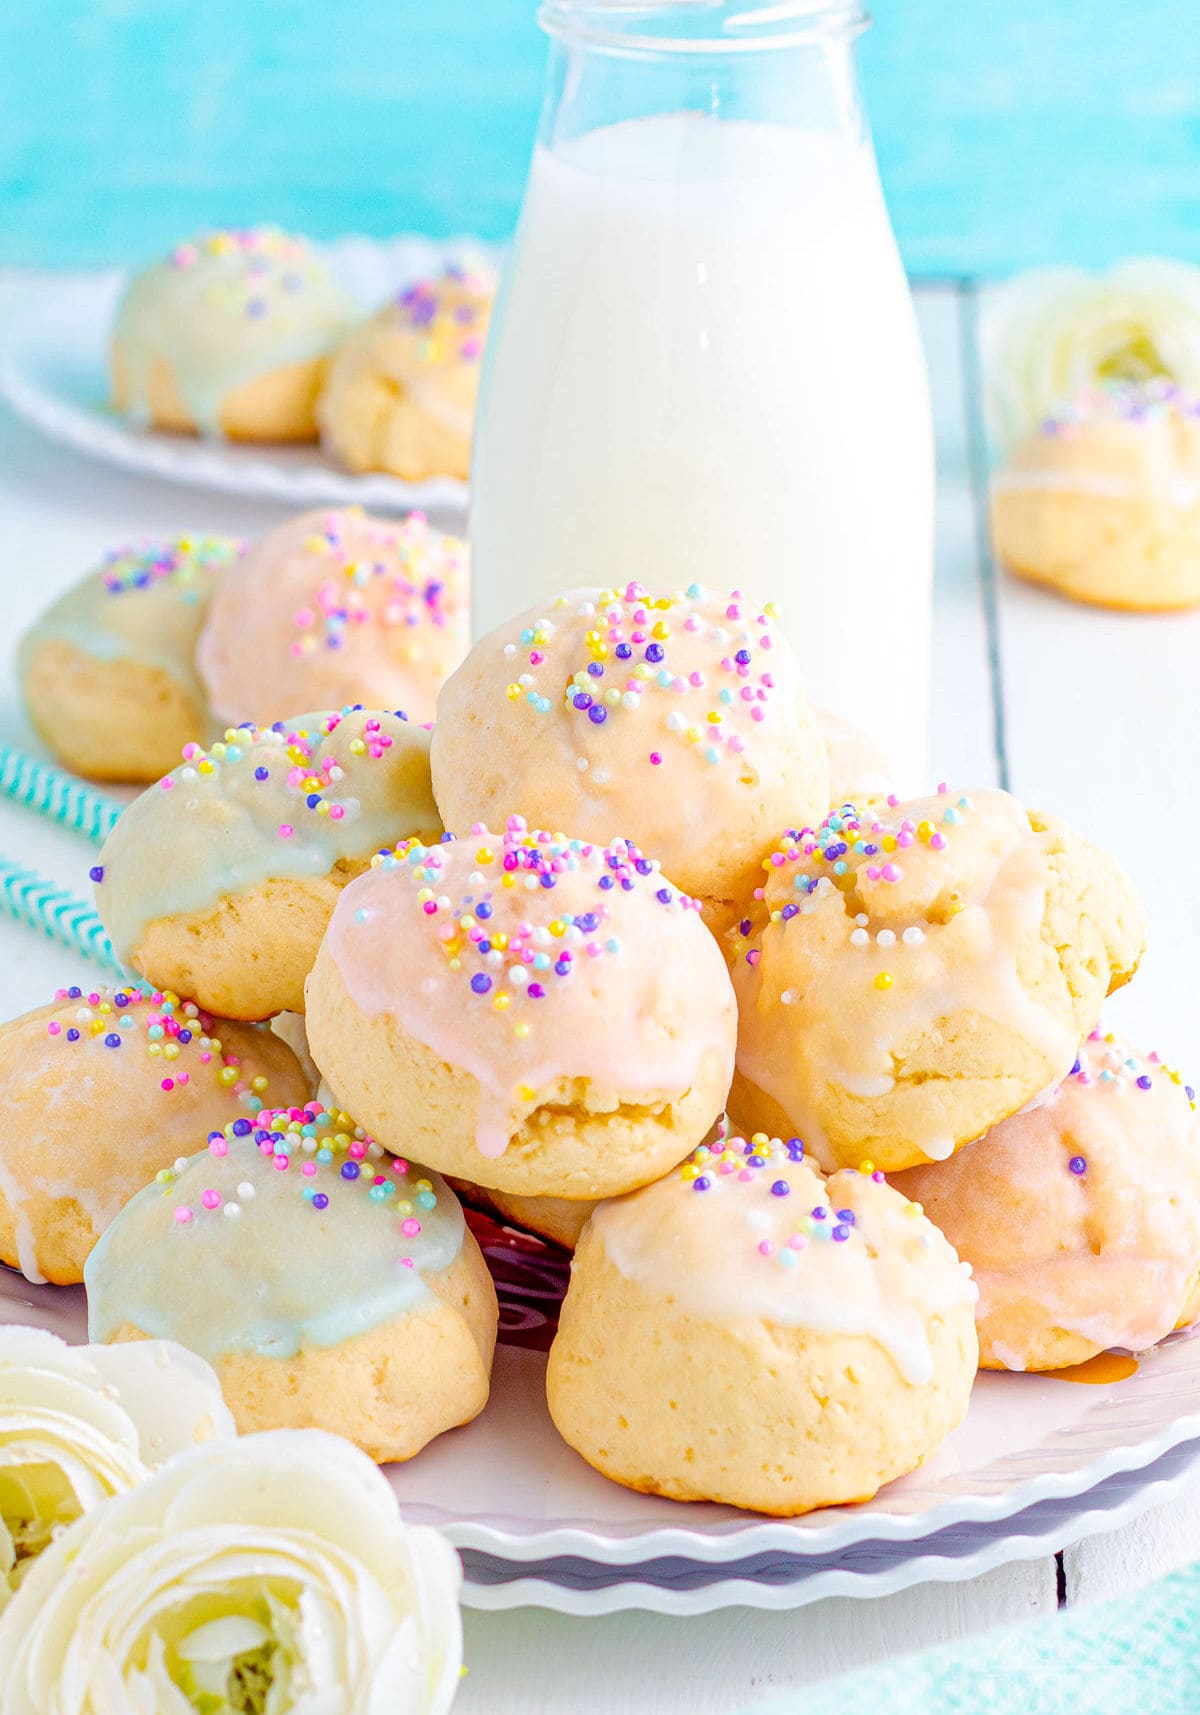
(267, 1576)
(1055, 332)
(81, 1423)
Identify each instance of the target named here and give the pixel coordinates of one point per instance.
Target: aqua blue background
(1009, 131)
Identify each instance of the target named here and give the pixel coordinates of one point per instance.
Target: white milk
(706, 367)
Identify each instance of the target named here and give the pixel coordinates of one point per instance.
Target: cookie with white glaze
(401, 388)
(1080, 1215)
(1102, 501)
(534, 1014)
(108, 671)
(910, 976)
(228, 335)
(337, 607)
(329, 1285)
(219, 881)
(100, 1089)
(746, 1331)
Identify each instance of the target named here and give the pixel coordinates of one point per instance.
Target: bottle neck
(615, 62)
(650, 27)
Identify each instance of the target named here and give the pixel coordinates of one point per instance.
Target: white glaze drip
(885, 1275)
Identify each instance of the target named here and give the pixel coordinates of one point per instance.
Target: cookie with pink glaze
(534, 1014)
(673, 719)
(337, 607)
(1081, 1215)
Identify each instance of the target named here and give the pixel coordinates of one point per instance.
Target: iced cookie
(1102, 502)
(746, 1331)
(219, 881)
(337, 607)
(229, 335)
(537, 1015)
(1080, 1215)
(102, 1088)
(400, 393)
(368, 1309)
(676, 721)
(108, 670)
(905, 980)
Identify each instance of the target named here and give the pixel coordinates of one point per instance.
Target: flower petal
(288, 1544)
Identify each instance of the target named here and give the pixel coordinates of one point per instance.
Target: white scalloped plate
(777, 1582)
(508, 1486)
(53, 372)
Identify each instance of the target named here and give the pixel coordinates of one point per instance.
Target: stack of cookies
(602, 957)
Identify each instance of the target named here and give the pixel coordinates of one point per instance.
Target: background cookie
(401, 389)
(108, 672)
(337, 607)
(228, 335)
(1102, 503)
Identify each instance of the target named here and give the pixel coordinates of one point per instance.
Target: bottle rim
(715, 27)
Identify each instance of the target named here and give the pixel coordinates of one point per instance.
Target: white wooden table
(1094, 716)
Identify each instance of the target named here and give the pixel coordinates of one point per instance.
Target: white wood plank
(715, 1664)
(1118, 1561)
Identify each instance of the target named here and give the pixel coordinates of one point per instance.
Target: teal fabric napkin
(1134, 1655)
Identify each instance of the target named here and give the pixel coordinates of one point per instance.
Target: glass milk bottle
(705, 364)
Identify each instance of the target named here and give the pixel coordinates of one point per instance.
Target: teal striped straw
(42, 904)
(57, 795)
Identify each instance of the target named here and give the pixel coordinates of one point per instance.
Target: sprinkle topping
(327, 1154)
(528, 960)
(185, 565)
(835, 856)
(1136, 403)
(395, 576)
(633, 657)
(447, 314)
(259, 274)
(172, 1031)
(741, 1161)
(291, 1228)
(1109, 1064)
(292, 754)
